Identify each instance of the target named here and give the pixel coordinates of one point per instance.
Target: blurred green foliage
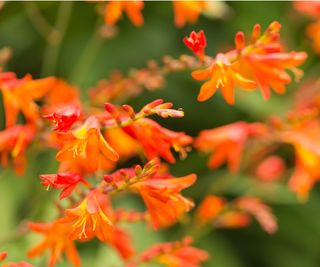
(83, 59)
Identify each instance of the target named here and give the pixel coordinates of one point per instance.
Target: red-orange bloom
(86, 142)
(261, 63)
(227, 142)
(114, 10)
(15, 140)
(174, 254)
(163, 199)
(64, 118)
(210, 207)
(196, 42)
(90, 218)
(56, 241)
(18, 264)
(270, 169)
(19, 95)
(260, 211)
(65, 181)
(156, 140)
(187, 11)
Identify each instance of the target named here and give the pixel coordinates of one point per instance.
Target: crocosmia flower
(90, 218)
(56, 240)
(156, 140)
(65, 181)
(64, 118)
(163, 199)
(14, 142)
(196, 42)
(86, 142)
(227, 142)
(260, 63)
(187, 11)
(19, 95)
(114, 10)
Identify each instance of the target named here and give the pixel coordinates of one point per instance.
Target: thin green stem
(57, 34)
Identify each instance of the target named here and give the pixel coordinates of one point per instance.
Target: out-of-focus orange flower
(19, 95)
(261, 63)
(313, 32)
(114, 10)
(56, 240)
(187, 11)
(163, 199)
(260, 211)
(232, 219)
(227, 142)
(18, 264)
(64, 118)
(90, 218)
(311, 8)
(210, 207)
(86, 142)
(65, 181)
(196, 42)
(61, 95)
(173, 254)
(3, 255)
(304, 138)
(270, 169)
(14, 141)
(156, 140)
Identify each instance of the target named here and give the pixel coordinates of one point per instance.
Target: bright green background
(296, 244)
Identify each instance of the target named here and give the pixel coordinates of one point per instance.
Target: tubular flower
(210, 207)
(270, 169)
(56, 241)
(162, 197)
(173, 254)
(307, 149)
(61, 95)
(156, 140)
(15, 140)
(90, 218)
(222, 76)
(86, 142)
(114, 9)
(260, 211)
(227, 142)
(232, 219)
(187, 11)
(261, 63)
(196, 42)
(64, 118)
(19, 95)
(65, 181)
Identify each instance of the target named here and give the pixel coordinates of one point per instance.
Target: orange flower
(227, 142)
(90, 218)
(114, 9)
(156, 140)
(304, 138)
(19, 95)
(86, 142)
(313, 32)
(232, 219)
(270, 169)
(173, 254)
(163, 199)
(260, 211)
(197, 43)
(210, 207)
(223, 76)
(15, 140)
(56, 240)
(261, 63)
(187, 11)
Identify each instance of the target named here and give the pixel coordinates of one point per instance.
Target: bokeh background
(84, 58)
